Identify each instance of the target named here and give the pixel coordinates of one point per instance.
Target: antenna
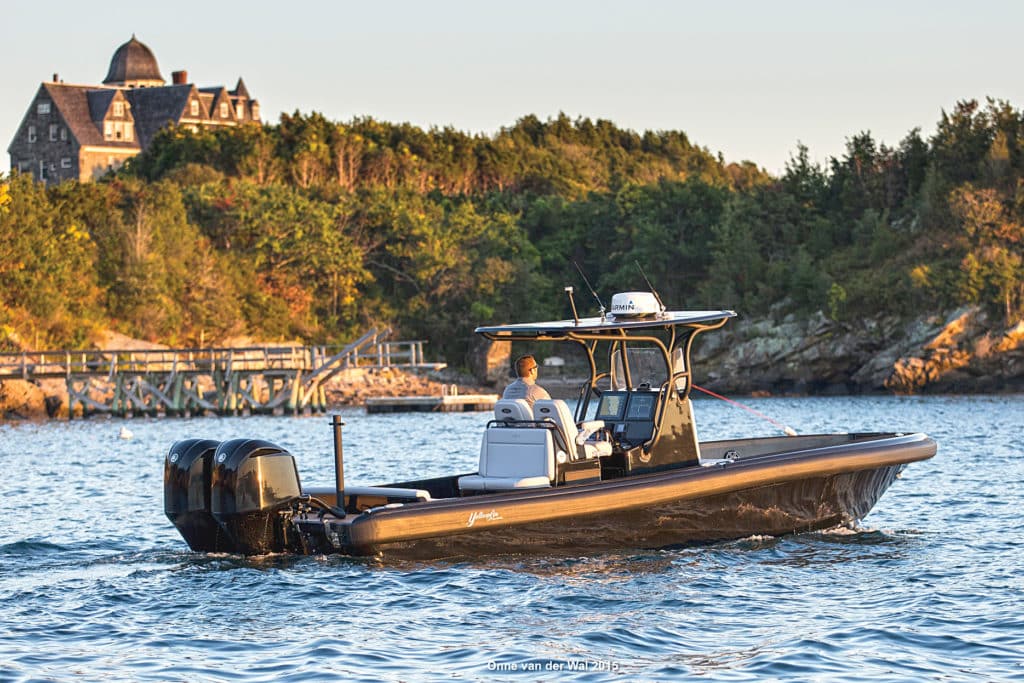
(653, 290)
(585, 280)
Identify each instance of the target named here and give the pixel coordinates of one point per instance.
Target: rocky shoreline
(963, 352)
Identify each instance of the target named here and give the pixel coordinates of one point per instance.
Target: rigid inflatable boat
(625, 470)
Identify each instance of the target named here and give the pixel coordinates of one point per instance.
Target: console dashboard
(629, 415)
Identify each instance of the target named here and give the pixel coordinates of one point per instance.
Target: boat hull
(772, 493)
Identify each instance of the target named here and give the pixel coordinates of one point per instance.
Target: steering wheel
(593, 385)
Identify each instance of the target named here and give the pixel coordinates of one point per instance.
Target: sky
(749, 80)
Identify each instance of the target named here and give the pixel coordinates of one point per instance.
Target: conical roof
(133, 64)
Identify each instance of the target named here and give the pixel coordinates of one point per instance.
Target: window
(108, 129)
(223, 110)
(240, 110)
(42, 170)
(43, 108)
(63, 133)
(118, 108)
(194, 108)
(129, 132)
(54, 128)
(31, 133)
(65, 162)
(118, 130)
(255, 111)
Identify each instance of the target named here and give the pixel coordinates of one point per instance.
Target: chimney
(55, 79)
(179, 77)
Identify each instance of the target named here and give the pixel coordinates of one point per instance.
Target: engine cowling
(251, 483)
(188, 468)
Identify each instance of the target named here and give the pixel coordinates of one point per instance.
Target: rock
(958, 352)
(490, 361)
(22, 400)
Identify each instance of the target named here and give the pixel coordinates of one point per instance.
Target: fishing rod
(653, 290)
(587, 282)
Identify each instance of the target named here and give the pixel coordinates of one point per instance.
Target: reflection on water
(95, 584)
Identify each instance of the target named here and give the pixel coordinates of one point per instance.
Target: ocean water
(95, 583)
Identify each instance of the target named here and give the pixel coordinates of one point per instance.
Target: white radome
(634, 304)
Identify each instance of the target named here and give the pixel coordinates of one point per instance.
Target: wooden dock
(225, 381)
(431, 404)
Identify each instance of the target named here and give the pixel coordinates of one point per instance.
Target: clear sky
(747, 79)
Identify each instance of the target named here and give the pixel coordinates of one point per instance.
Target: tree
(993, 267)
(48, 288)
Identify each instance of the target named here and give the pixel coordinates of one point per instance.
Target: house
(82, 131)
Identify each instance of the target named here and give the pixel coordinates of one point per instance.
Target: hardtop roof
(561, 328)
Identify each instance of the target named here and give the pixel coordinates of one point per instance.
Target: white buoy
(125, 433)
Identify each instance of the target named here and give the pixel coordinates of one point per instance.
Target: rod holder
(572, 303)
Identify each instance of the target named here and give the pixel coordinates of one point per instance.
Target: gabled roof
(73, 103)
(99, 104)
(154, 108)
(219, 94)
(240, 89)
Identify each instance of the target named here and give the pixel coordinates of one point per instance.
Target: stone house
(81, 132)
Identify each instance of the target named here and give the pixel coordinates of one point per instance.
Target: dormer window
(194, 107)
(118, 108)
(223, 110)
(43, 108)
(240, 110)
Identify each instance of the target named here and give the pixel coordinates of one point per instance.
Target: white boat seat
(517, 409)
(513, 458)
(578, 438)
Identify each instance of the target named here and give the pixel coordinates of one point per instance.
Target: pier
(449, 402)
(224, 381)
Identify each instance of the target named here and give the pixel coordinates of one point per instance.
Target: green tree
(48, 288)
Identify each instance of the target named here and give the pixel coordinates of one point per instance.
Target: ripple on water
(96, 585)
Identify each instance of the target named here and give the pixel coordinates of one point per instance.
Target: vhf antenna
(599, 304)
(653, 290)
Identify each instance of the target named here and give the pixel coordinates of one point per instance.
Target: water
(95, 584)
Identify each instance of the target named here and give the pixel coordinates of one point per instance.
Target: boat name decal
(477, 515)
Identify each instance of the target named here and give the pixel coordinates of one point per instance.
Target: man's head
(526, 366)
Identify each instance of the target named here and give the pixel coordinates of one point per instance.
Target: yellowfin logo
(477, 516)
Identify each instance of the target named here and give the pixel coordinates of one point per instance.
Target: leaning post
(339, 466)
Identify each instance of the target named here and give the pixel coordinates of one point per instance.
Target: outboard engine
(188, 469)
(252, 481)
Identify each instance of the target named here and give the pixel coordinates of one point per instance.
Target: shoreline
(32, 403)
(24, 401)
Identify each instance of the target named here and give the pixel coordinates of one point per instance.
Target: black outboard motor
(188, 469)
(252, 481)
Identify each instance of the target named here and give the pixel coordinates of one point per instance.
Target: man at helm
(526, 386)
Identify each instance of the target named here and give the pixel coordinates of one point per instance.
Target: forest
(311, 230)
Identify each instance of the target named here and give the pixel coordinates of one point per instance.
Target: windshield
(646, 366)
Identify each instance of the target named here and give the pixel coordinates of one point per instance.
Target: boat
(624, 470)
